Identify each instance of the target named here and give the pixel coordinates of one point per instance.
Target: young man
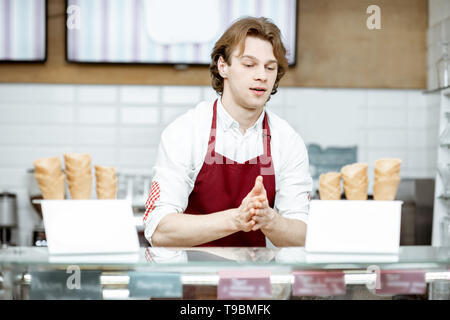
(230, 172)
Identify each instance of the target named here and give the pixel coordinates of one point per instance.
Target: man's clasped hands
(254, 212)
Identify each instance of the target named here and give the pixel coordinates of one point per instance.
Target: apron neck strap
(212, 136)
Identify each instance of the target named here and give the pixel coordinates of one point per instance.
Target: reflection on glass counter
(296, 257)
(199, 273)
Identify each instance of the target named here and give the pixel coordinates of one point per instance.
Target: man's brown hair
(235, 35)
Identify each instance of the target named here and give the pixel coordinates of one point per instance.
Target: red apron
(222, 184)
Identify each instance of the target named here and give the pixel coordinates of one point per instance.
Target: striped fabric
(22, 30)
(115, 31)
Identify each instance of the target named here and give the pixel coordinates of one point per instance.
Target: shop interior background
(372, 98)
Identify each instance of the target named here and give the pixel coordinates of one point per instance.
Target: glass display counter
(417, 272)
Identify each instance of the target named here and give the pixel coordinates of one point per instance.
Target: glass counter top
(212, 259)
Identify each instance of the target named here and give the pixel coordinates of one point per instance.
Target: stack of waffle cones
(355, 181)
(106, 182)
(387, 178)
(330, 186)
(79, 175)
(50, 177)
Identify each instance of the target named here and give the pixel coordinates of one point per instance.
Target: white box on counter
(89, 227)
(353, 226)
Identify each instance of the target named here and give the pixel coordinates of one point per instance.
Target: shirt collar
(228, 121)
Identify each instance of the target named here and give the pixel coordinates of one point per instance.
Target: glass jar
(443, 67)
(121, 186)
(138, 191)
(146, 186)
(444, 174)
(445, 231)
(444, 138)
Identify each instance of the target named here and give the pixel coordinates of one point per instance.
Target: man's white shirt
(183, 148)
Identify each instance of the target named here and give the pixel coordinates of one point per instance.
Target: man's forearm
(284, 232)
(187, 230)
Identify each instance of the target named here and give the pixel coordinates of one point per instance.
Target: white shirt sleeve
(294, 182)
(173, 175)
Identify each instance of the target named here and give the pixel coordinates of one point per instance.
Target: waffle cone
(74, 170)
(106, 182)
(80, 187)
(105, 170)
(73, 176)
(386, 179)
(77, 161)
(49, 166)
(51, 187)
(330, 186)
(385, 189)
(106, 193)
(387, 166)
(355, 181)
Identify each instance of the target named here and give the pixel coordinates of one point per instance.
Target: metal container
(8, 210)
(34, 192)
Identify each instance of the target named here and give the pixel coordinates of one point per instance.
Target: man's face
(250, 78)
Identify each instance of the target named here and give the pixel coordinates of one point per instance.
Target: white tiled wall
(121, 126)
